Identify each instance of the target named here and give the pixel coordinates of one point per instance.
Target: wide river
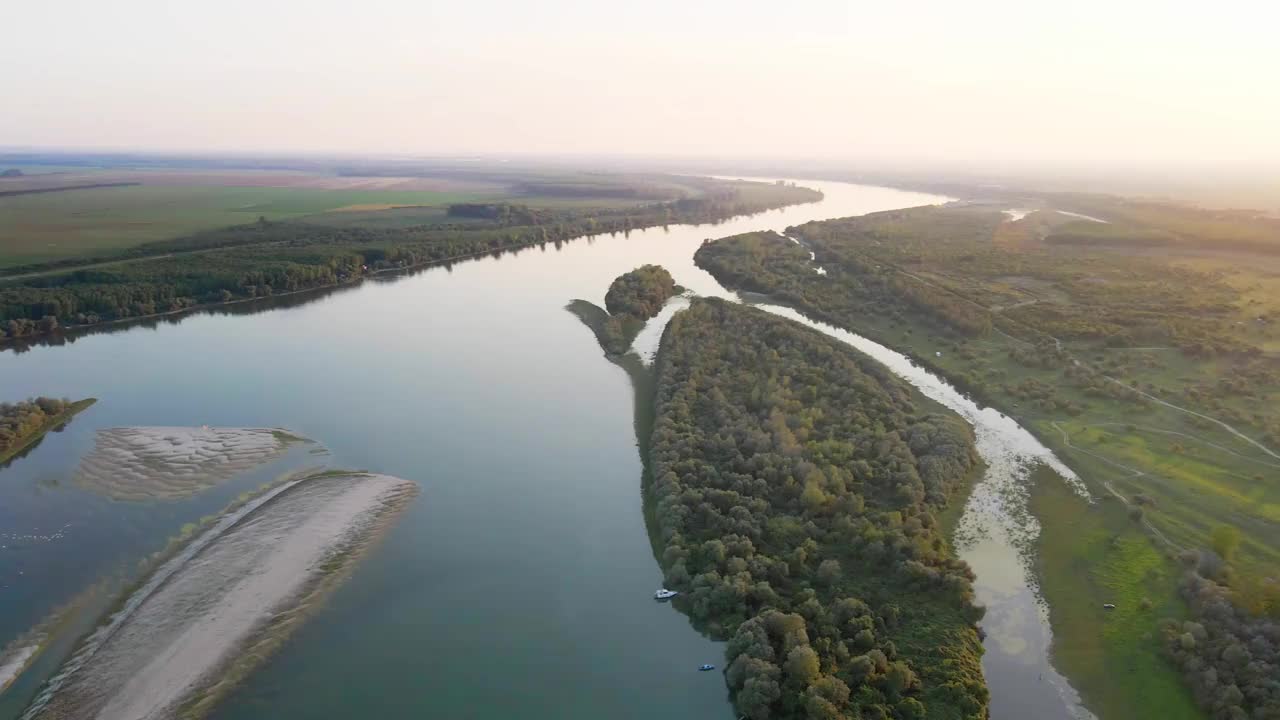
(519, 582)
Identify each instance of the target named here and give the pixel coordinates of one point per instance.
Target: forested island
(23, 423)
(797, 486)
(1154, 376)
(270, 258)
(633, 298)
(640, 293)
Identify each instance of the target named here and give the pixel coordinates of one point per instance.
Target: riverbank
(1090, 555)
(251, 262)
(1040, 387)
(201, 623)
(49, 425)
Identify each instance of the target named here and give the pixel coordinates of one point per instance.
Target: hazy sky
(983, 83)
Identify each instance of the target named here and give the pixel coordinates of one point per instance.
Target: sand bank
(170, 463)
(209, 615)
(13, 662)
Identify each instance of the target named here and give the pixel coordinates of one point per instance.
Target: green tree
(802, 666)
(1226, 540)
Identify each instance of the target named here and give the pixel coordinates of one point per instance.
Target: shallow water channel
(519, 582)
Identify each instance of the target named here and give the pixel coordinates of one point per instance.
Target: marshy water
(519, 582)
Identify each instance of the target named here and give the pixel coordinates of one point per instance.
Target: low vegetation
(1171, 224)
(797, 486)
(108, 219)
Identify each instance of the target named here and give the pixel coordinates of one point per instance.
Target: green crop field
(95, 222)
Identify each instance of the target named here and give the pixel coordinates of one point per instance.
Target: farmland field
(98, 221)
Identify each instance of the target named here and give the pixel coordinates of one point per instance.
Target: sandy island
(171, 463)
(206, 617)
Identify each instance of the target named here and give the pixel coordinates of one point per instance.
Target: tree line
(797, 486)
(1229, 655)
(21, 420)
(268, 258)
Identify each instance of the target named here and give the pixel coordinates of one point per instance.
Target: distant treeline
(1156, 223)
(504, 213)
(797, 486)
(268, 258)
(1089, 233)
(63, 188)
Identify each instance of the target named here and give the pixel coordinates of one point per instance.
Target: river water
(519, 582)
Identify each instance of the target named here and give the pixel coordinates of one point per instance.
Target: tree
(756, 697)
(829, 571)
(1226, 540)
(900, 679)
(802, 666)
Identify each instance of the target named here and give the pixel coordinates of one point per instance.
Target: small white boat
(665, 594)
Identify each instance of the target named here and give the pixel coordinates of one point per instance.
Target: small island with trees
(633, 298)
(797, 488)
(22, 424)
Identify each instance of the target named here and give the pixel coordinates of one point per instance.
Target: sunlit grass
(1090, 555)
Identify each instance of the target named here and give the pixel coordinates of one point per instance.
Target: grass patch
(1092, 554)
(54, 226)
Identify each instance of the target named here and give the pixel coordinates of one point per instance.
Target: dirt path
(1155, 532)
(1200, 440)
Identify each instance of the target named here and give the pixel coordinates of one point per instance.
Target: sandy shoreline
(13, 664)
(210, 618)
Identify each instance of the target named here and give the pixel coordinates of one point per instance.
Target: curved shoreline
(210, 615)
(71, 331)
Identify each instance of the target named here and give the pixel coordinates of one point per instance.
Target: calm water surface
(520, 581)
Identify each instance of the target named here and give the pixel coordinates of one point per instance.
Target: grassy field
(53, 226)
(171, 202)
(1093, 554)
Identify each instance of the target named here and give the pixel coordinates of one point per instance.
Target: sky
(991, 84)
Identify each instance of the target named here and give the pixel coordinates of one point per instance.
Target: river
(519, 582)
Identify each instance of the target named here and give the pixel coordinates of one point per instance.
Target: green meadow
(99, 221)
(1092, 554)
